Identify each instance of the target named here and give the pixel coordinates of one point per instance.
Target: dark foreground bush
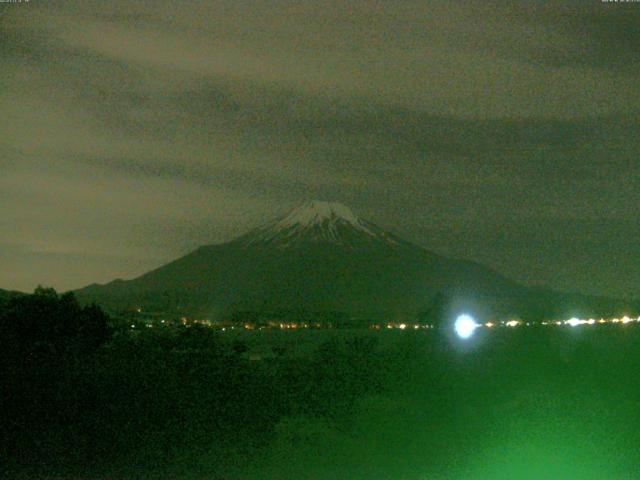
(195, 403)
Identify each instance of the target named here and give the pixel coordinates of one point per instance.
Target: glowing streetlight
(465, 326)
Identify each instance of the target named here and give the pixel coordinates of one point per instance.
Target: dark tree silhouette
(51, 322)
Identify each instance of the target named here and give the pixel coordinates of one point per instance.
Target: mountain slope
(319, 257)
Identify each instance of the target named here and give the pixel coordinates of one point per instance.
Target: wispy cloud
(140, 130)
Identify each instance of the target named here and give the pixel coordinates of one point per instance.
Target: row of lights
(465, 325)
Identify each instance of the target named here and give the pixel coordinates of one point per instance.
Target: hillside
(322, 257)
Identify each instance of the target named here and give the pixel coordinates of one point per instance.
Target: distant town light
(574, 322)
(465, 326)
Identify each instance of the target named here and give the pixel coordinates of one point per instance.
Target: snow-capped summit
(321, 259)
(316, 211)
(317, 221)
(319, 212)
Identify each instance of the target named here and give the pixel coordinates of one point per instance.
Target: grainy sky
(504, 132)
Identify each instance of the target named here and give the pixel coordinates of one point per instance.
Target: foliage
(48, 322)
(194, 402)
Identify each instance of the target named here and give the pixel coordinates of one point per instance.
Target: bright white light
(512, 323)
(465, 326)
(574, 322)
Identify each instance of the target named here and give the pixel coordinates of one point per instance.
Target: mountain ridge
(322, 257)
(315, 221)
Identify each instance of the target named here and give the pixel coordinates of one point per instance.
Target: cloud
(463, 60)
(142, 130)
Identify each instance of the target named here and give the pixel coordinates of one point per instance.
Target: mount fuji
(316, 223)
(321, 257)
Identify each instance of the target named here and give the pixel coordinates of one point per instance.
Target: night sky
(133, 132)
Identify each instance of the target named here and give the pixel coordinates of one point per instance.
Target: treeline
(290, 316)
(84, 398)
(81, 397)
(46, 323)
(434, 312)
